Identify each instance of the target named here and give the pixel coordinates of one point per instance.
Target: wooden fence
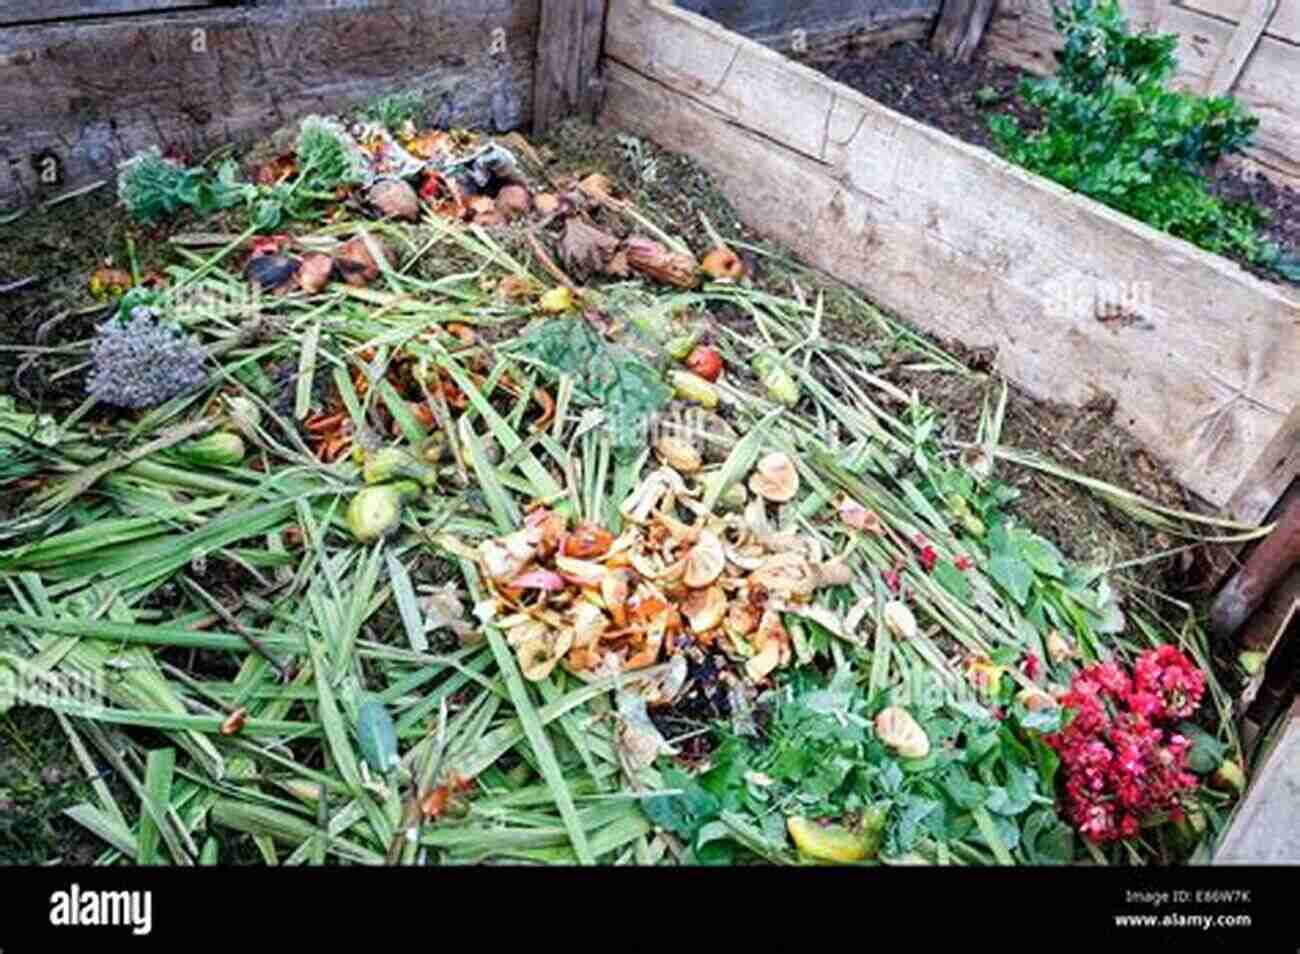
(86, 84)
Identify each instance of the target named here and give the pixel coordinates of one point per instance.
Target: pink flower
(1120, 762)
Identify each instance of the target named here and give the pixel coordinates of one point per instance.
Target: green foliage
(395, 109)
(153, 188)
(625, 387)
(327, 156)
(819, 758)
(1116, 132)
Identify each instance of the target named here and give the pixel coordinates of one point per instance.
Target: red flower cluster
(1121, 761)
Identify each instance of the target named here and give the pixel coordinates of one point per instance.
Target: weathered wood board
(1233, 57)
(814, 25)
(1265, 829)
(1266, 82)
(968, 247)
(33, 11)
(90, 94)
(567, 80)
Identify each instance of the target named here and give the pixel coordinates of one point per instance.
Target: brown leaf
(585, 247)
(277, 170)
(514, 288)
(432, 142)
(617, 266)
(598, 186)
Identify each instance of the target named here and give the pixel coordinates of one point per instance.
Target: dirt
(959, 98)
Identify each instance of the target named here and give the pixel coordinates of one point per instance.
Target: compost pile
(436, 504)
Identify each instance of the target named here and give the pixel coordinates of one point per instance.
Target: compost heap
(724, 565)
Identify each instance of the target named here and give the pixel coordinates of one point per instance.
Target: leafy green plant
(1114, 130)
(984, 792)
(327, 158)
(153, 188)
(1026, 567)
(628, 389)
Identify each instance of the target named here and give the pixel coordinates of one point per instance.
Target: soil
(959, 98)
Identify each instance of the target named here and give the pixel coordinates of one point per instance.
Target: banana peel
(837, 843)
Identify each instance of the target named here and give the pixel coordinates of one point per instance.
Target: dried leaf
(585, 247)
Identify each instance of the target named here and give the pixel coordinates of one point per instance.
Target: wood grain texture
(567, 75)
(1265, 828)
(1233, 57)
(974, 249)
(95, 93)
(960, 28)
(30, 11)
(1285, 24)
(1022, 34)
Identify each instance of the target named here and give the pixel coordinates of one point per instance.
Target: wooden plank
(34, 11)
(567, 80)
(1285, 24)
(975, 249)
(1268, 89)
(93, 94)
(1264, 633)
(1265, 828)
(1239, 49)
(1270, 476)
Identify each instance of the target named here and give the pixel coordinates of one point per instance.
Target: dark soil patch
(1237, 184)
(959, 98)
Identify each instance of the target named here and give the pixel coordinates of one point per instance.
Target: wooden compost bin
(968, 247)
(88, 83)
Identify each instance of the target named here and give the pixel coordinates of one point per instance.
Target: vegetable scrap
(500, 525)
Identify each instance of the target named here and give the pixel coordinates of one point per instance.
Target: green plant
(629, 390)
(1114, 130)
(327, 158)
(394, 110)
(984, 792)
(153, 188)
